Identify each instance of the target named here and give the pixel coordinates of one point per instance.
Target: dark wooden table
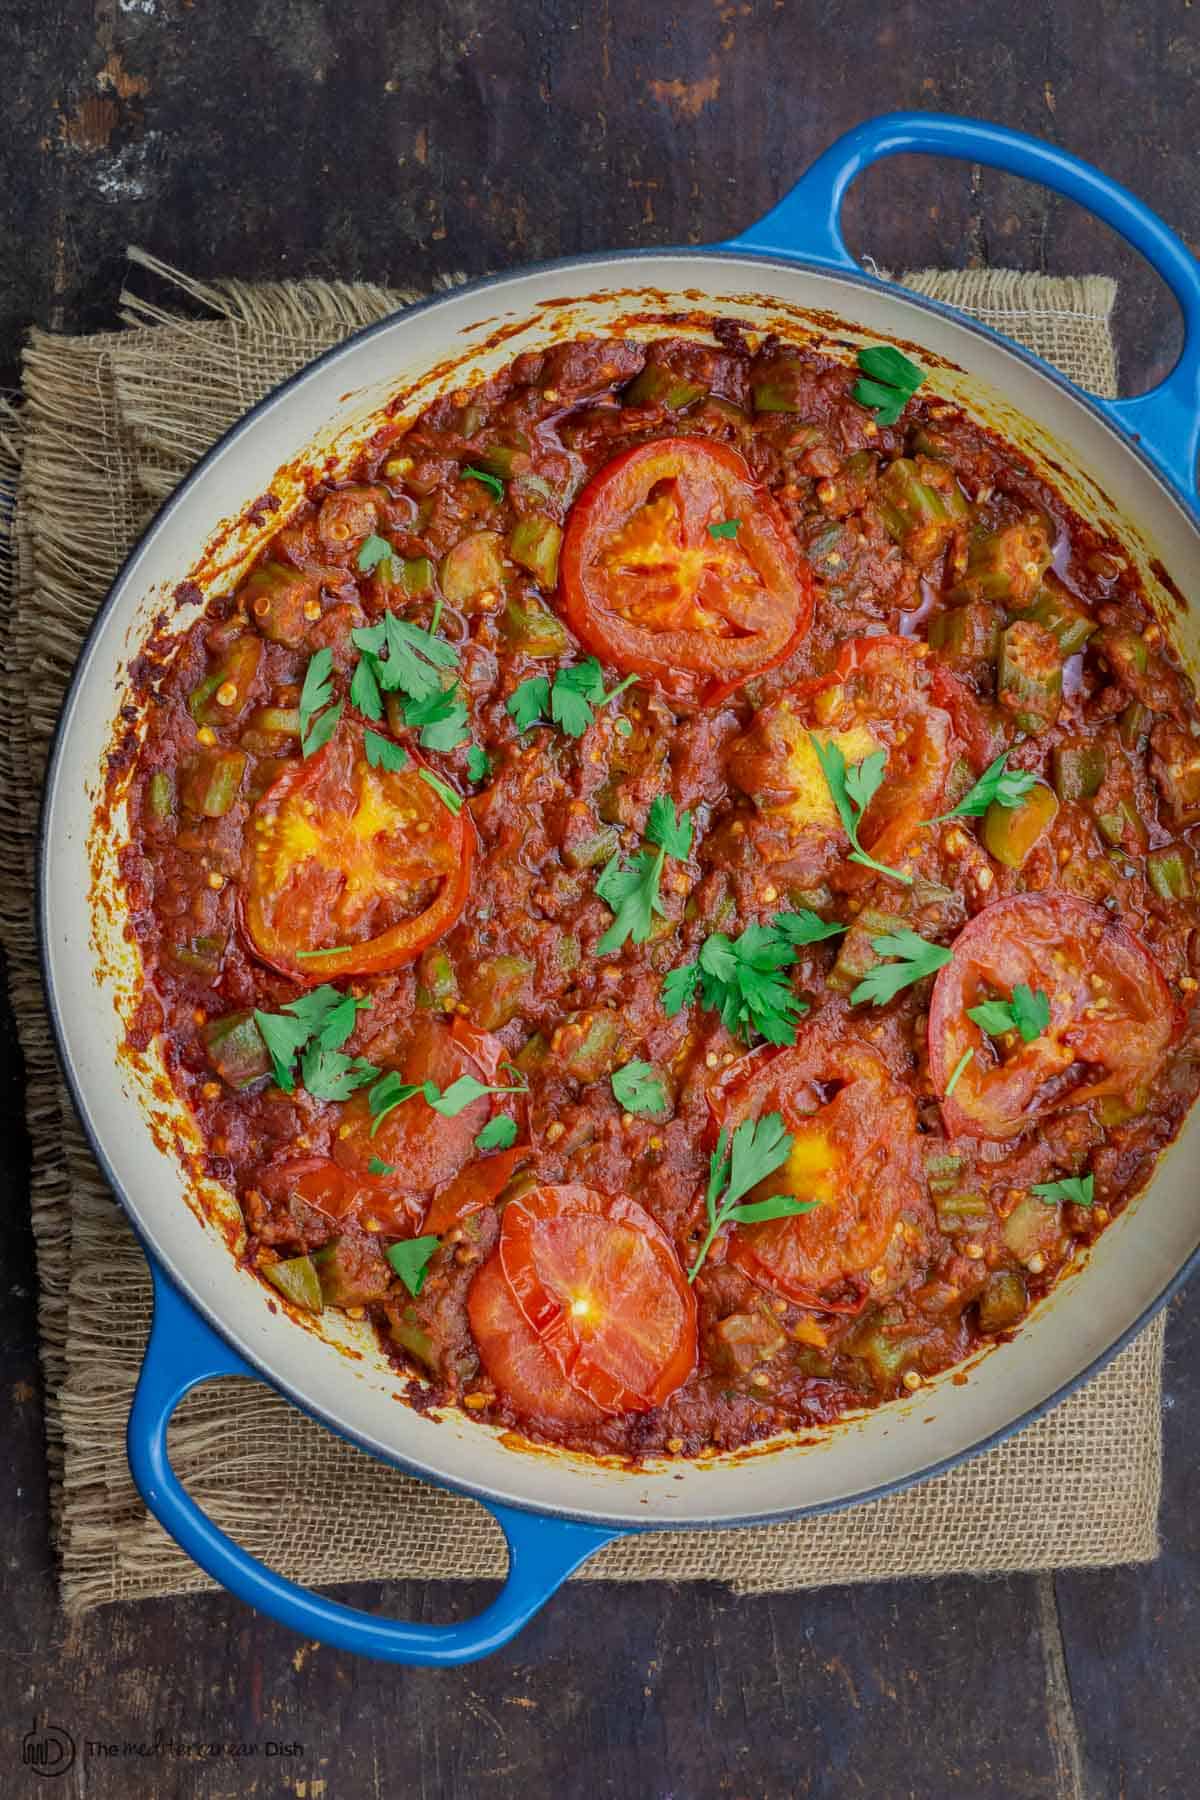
(393, 139)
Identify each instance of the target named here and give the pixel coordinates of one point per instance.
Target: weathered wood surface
(395, 139)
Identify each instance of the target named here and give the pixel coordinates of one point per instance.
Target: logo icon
(50, 1751)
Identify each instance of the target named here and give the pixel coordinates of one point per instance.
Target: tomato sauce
(674, 898)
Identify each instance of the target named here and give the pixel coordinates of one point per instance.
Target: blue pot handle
(184, 1351)
(807, 224)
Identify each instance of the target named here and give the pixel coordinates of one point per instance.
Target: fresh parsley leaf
(389, 1092)
(891, 382)
(315, 1007)
(377, 1166)
(852, 790)
(725, 528)
(674, 835)
(383, 754)
(1080, 1190)
(364, 689)
(479, 764)
(633, 895)
(915, 958)
(442, 718)
(492, 483)
(806, 927)
(529, 702)
(321, 730)
(339, 1020)
(316, 693)
(956, 1072)
(411, 1258)
(328, 1075)
(1027, 1012)
(283, 1038)
(639, 1088)
(443, 790)
(744, 980)
(998, 784)
(679, 987)
(462, 1093)
(572, 694)
(325, 1016)
(414, 656)
(499, 1133)
(757, 1149)
(374, 551)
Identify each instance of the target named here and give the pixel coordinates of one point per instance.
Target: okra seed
(216, 880)
(554, 1131)
(206, 736)
(211, 1089)
(973, 1251)
(227, 693)
(1036, 1263)
(711, 1059)
(312, 611)
(912, 1380)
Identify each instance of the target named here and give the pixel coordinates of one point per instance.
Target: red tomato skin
(473, 1188)
(340, 1194)
(391, 949)
(1021, 926)
(518, 1362)
(687, 665)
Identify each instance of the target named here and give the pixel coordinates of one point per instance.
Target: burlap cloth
(107, 426)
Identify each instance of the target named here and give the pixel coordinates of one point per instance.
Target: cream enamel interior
(93, 974)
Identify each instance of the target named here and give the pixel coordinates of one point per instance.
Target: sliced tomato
(648, 587)
(855, 1152)
(352, 870)
(517, 1360)
(341, 1194)
(473, 1188)
(425, 1148)
(599, 1285)
(1111, 1013)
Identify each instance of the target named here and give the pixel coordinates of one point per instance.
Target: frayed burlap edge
(111, 424)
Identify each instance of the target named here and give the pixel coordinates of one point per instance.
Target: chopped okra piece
(1079, 770)
(496, 990)
(160, 796)
(971, 631)
(1010, 832)
(921, 506)
(1067, 619)
(1006, 566)
(437, 982)
(236, 1049)
(280, 600)
(588, 1045)
(352, 1271)
(212, 780)
(1029, 684)
(222, 695)
(534, 543)
(1169, 873)
(657, 384)
(474, 566)
(297, 1281)
(529, 626)
(856, 952)
(1003, 1301)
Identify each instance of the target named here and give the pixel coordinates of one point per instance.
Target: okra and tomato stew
(670, 891)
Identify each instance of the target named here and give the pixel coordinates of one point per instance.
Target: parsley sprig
(315, 1027)
(915, 957)
(639, 1088)
(744, 980)
(633, 891)
(374, 550)
(998, 784)
(853, 788)
(389, 1092)
(892, 380)
(499, 1133)
(317, 726)
(399, 657)
(1080, 1190)
(570, 701)
(1027, 1012)
(411, 1258)
(758, 1148)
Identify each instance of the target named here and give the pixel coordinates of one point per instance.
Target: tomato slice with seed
(424, 1147)
(1111, 1014)
(351, 870)
(341, 1194)
(855, 1152)
(648, 588)
(518, 1362)
(599, 1285)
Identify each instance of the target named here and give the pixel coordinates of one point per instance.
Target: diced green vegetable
(236, 1049)
(1010, 832)
(590, 851)
(297, 1281)
(276, 721)
(275, 596)
(534, 543)
(1125, 652)
(1134, 725)
(352, 1271)
(504, 460)
(201, 956)
(415, 1340)
(568, 952)
(417, 576)
(777, 382)
(961, 1212)
(918, 514)
(1029, 684)
(1033, 1229)
(221, 697)
(856, 952)
(971, 631)
(160, 796)
(1078, 770)
(211, 780)
(533, 1056)
(1005, 566)
(1122, 825)
(887, 1346)
(437, 982)
(1003, 1301)
(588, 1045)
(474, 566)
(531, 627)
(658, 383)
(1169, 873)
(496, 989)
(1067, 619)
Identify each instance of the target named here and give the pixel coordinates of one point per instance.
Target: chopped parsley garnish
(956, 1072)
(724, 528)
(492, 483)
(805, 926)
(633, 892)
(375, 550)
(915, 957)
(317, 726)
(499, 1133)
(638, 1087)
(383, 754)
(758, 1148)
(411, 1257)
(479, 764)
(1027, 1012)
(364, 690)
(442, 719)
(1079, 1190)
(998, 784)
(853, 789)
(413, 657)
(389, 1092)
(329, 950)
(891, 381)
(377, 1166)
(743, 980)
(570, 700)
(443, 790)
(318, 1024)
